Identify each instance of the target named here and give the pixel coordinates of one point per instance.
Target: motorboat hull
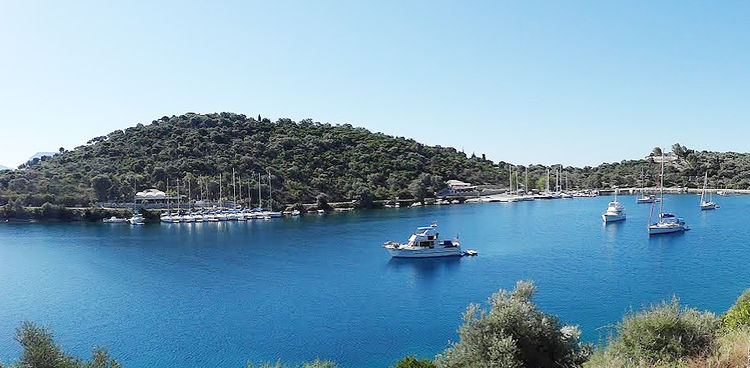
(426, 253)
(612, 217)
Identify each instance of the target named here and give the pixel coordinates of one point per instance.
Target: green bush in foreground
(739, 314)
(661, 335)
(316, 364)
(412, 362)
(514, 333)
(40, 351)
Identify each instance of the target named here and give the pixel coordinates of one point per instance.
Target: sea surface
(224, 294)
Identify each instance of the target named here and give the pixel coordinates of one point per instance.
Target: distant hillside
(3, 168)
(39, 155)
(305, 160)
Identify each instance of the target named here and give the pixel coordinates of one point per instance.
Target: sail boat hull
(666, 229)
(706, 206)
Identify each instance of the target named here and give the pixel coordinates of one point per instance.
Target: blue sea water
(223, 294)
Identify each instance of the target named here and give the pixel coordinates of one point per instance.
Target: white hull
(612, 217)
(708, 206)
(426, 253)
(656, 229)
(115, 220)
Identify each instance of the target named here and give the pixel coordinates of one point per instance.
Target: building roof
(151, 194)
(456, 183)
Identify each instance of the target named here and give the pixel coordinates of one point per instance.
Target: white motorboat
(615, 211)
(115, 220)
(707, 203)
(646, 198)
(667, 223)
(424, 243)
(137, 219)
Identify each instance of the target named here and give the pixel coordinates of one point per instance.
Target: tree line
(307, 160)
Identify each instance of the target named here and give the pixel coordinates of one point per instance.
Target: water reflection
(611, 229)
(425, 268)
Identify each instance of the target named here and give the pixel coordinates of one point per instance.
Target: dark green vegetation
(308, 161)
(40, 351)
(316, 364)
(414, 362)
(50, 211)
(305, 159)
(514, 333)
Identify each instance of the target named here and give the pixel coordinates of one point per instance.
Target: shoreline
(97, 214)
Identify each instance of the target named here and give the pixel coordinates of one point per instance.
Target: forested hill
(305, 159)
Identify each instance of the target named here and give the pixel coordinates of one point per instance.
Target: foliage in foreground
(414, 362)
(664, 335)
(316, 364)
(739, 314)
(40, 351)
(514, 333)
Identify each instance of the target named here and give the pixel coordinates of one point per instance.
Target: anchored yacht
(137, 219)
(615, 211)
(666, 222)
(707, 203)
(424, 243)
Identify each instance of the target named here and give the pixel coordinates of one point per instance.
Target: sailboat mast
(661, 187)
(270, 197)
(219, 190)
(260, 194)
(190, 205)
(168, 206)
(510, 178)
(234, 191)
(178, 195)
(547, 188)
(526, 189)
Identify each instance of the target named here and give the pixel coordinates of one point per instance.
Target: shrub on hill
(739, 314)
(514, 333)
(662, 335)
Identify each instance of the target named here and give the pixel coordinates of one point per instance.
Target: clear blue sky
(522, 81)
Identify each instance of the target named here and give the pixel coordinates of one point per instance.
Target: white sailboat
(615, 211)
(166, 217)
(707, 204)
(645, 198)
(666, 223)
(271, 213)
(137, 218)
